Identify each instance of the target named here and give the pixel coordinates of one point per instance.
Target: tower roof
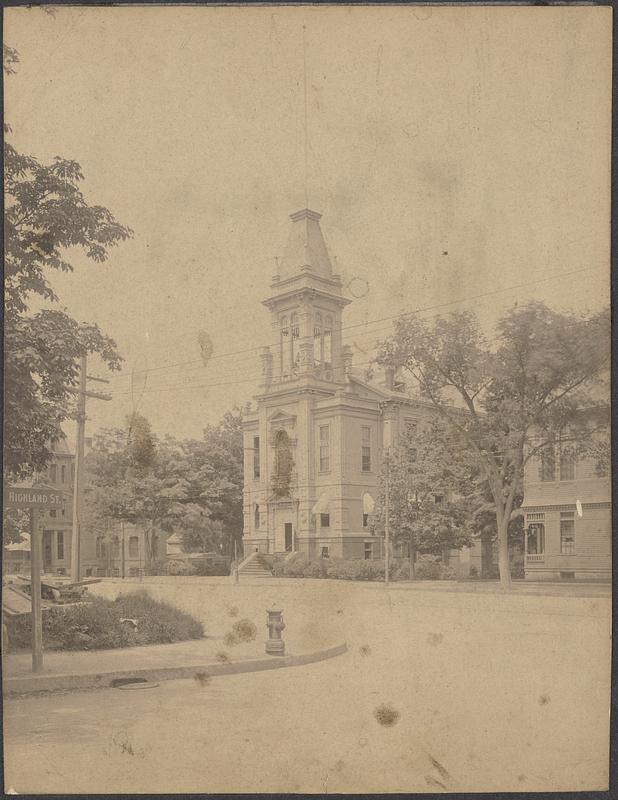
(306, 249)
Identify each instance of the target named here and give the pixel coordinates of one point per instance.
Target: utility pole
(387, 518)
(35, 592)
(78, 482)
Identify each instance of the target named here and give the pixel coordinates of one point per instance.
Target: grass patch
(97, 625)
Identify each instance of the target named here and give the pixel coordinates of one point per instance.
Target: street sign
(32, 498)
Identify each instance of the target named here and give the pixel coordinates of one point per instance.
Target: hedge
(299, 566)
(96, 624)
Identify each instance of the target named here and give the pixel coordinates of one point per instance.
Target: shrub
(448, 573)
(427, 568)
(96, 625)
(180, 568)
(213, 566)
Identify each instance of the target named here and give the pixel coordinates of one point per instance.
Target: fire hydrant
(275, 646)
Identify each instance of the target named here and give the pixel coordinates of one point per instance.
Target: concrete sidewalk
(199, 659)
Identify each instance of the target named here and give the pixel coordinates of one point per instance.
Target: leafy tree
(515, 398)
(46, 215)
(191, 486)
(425, 481)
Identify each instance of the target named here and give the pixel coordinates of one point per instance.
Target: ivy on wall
(284, 464)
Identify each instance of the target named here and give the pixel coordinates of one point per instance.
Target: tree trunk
(503, 552)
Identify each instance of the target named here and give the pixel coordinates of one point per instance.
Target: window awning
(369, 503)
(322, 503)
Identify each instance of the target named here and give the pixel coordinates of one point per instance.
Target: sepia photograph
(306, 409)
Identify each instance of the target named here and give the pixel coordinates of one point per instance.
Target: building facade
(567, 507)
(313, 443)
(56, 524)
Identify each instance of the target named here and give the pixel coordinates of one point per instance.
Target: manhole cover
(133, 683)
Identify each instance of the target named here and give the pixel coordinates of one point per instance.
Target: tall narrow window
(256, 517)
(295, 340)
(256, 456)
(547, 469)
(317, 341)
(328, 344)
(567, 464)
(116, 547)
(285, 347)
(60, 545)
(366, 448)
(53, 473)
(567, 533)
(133, 546)
(536, 539)
(324, 448)
(63, 474)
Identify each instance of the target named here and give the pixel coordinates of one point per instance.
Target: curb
(103, 680)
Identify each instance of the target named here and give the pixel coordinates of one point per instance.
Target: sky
(460, 158)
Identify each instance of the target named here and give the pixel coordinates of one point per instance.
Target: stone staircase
(254, 566)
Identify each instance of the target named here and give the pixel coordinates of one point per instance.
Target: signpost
(34, 498)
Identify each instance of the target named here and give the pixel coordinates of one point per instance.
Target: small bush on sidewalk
(97, 625)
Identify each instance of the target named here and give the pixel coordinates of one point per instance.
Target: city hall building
(313, 443)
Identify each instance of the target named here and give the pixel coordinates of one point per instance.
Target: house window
(88, 572)
(366, 448)
(134, 572)
(567, 465)
(60, 545)
(100, 547)
(133, 546)
(256, 456)
(368, 551)
(325, 551)
(63, 474)
(116, 545)
(324, 520)
(324, 448)
(567, 533)
(256, 517)
(536, 539)
(53, 473)
(547, 469)
(365, 520)
(115, 572)
(52, 513)
(438, 499)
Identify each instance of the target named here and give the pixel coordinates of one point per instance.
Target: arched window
(328, 347)
(295, 329)
(256, 517)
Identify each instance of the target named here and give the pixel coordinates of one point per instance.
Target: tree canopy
(190, 486)
(46, 216)
(515, 395)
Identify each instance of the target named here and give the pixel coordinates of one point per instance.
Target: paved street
(488, 692)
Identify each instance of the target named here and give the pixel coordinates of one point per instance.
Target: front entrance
(47, 551)
(289, 537)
